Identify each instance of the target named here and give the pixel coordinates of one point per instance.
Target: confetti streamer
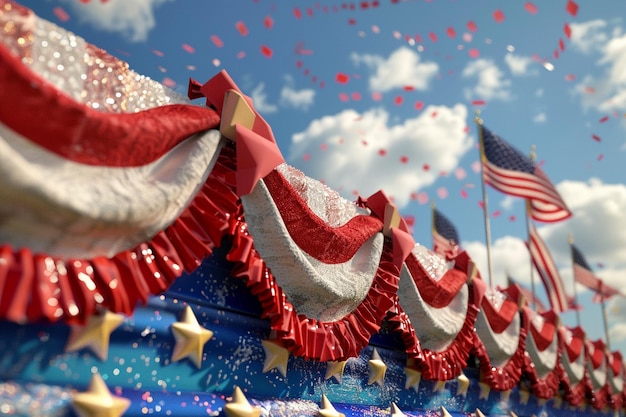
(265, 50)
(498, 16)
(567, 30)
(572, 7)
(61, 14)
(342, 78)
(217, 41)
(530, 8)
(242, 28)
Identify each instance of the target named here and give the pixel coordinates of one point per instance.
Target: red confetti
(85, 1)
(471, 26)
(426, 167)
(512, 218)
(604, 119)
(473, 53)
(299, 64)
(496, 213)
(241, 28)
(168, 82)
(600, 157)
(342, 78)
(419, 105)
(556, 54)
(306, 157)
(408, 88)
(451, 32)
(433, 36)
(572, 7)
(567, 30)
(297, 13)
(217, 41)
(356, 96)
(590, 90)
(404, 159)
(352, 22)
(382, 152)
(410, 220)
(189, 48)
(157, 52)
(309, 12)
(433, 114)
(478, 102)
(324, 146)
(343, 97)
(561, 45)
(266, 51)
(530, 8)
(268, 22)
(463, 193)
(377, 96)
(398, 100)
(596, 138)
(418, 38)
(364, 5)
(570, 77)
(498, 16)
(481, 205)
(442, 192)
(61, 14)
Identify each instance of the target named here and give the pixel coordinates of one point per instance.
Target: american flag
(548, 272)
(584, 276)
(507, 170)
(445, 236)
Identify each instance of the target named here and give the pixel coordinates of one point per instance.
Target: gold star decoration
(485, 389)
(444, 412)
(395, 411)
(239, 406)
(190, 338)
(97, 401)
(334, 369)
(377, 369)
(505, 395)
(276, 356)
(524, 396)
(439, 386)
(413, 378)
(328, 410)
(462, 385)
(95, 334)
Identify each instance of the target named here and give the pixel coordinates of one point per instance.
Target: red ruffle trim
(305, 336)
(37, 287)
(438, 365)
(547, 386)
(506, 377)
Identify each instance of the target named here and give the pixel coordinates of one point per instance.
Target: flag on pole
(584, 276)
(509, 171)
(548, 272)
(445, 236)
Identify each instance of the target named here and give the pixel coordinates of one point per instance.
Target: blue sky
(384, 96)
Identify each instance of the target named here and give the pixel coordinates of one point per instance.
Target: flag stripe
(584, 276)
(548, 272)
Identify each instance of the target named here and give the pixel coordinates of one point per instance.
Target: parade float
(159, 257)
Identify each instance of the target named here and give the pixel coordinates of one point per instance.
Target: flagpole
(571, 243)
(532, 269)
(604, 319)
(432, 223)
(479, 123)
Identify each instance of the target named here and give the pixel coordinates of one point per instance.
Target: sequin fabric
(84, 72)
(434, 264)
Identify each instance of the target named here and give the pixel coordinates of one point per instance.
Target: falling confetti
(572, 8)
(398, 100)
(297, 13)
(266, 51)
(242, 28)
(61, 14)
(268, 22)
(596, 138)
(342, 78)
(419, 105)
(217, 41)
(530, 8)
(498, 16)
(451, 32)
(168, 82)
(404, 159)
(471, 26)
(473, 53)
(442, 192)
(188, 48)
(604, 119)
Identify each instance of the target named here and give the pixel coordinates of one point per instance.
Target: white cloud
(403, 68)
(259, 98)
(133, 19)
(508, 256)
(588, 36)
(346, 149)
(298, 99)
(540, 118)
(491, 83)
(610, 88)
(518, 64)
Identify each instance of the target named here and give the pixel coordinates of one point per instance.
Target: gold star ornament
(395, 411)
(95, 334)
(276, 356)
(239, 406)
(190, 338)
(328, 410)
(413, 378)
(97, 401)
(377, 369)
(334, 369)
